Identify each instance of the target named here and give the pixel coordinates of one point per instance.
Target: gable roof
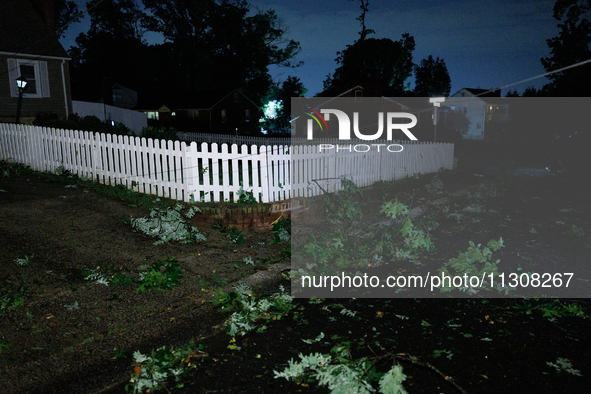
(23, 32)
(206, 99)
(481, 93)
(201, 99)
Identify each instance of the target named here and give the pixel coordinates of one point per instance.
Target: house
(124, 97)
(486, 110)
(212, 111)
(29, 48)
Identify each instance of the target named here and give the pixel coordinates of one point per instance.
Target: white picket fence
(210, 172)
(230, 139)
(250, 140)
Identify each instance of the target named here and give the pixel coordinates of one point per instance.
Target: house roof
(481, 93)
(202, 99)
(205, 99)
(23, 31)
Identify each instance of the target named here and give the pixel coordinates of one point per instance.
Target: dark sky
(485, 44)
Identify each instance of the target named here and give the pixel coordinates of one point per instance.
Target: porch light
(21, 83)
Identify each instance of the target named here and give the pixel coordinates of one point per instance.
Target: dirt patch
(58, 325)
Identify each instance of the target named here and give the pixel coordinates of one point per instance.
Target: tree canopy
(208, 45)
(432, 78)
(111, 51)
(374, 63)
(222, 41)
(571, 46)
(65, 12)
(278, 119)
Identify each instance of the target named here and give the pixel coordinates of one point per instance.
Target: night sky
(485, 44)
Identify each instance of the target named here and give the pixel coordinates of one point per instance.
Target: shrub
(160, 133)
(75, 122)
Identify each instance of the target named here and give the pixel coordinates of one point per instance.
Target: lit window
(224, 118)
(153, 115)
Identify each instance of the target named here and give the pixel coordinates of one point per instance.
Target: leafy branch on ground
(152, 371)
(92, 274)
(11, 296)
(435, 186)
(235, 236)
(564, 364)
(248, 310)
(25, 260)
(340, 373)
(356, 246)
(170, 224)
(161, 276)
(282, 230)
(474, 263)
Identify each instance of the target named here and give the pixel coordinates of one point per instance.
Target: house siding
(31, 106)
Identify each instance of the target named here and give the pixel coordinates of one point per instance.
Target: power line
(539, 76)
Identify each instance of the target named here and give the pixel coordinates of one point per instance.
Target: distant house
(486, 110)
(29, 48)
(213, 111)
(124, 97)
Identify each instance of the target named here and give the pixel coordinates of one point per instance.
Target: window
(36, 74)
(235, 97)
(153, 115)
(28, 73)
(247, 115)
(224, 118)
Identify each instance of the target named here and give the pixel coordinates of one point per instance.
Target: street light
(21, 83)
(436, 101)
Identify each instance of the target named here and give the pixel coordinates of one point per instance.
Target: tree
(219, 45)
(530, 91)
(277, 109)
(359, 65)
(65, 13)
(372, 63)
(111, 51)
(571, 46)
(432, 78)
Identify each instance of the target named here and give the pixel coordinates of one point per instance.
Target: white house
(486, 110)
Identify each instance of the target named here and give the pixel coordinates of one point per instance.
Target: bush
(75, 122)
(160, 133)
